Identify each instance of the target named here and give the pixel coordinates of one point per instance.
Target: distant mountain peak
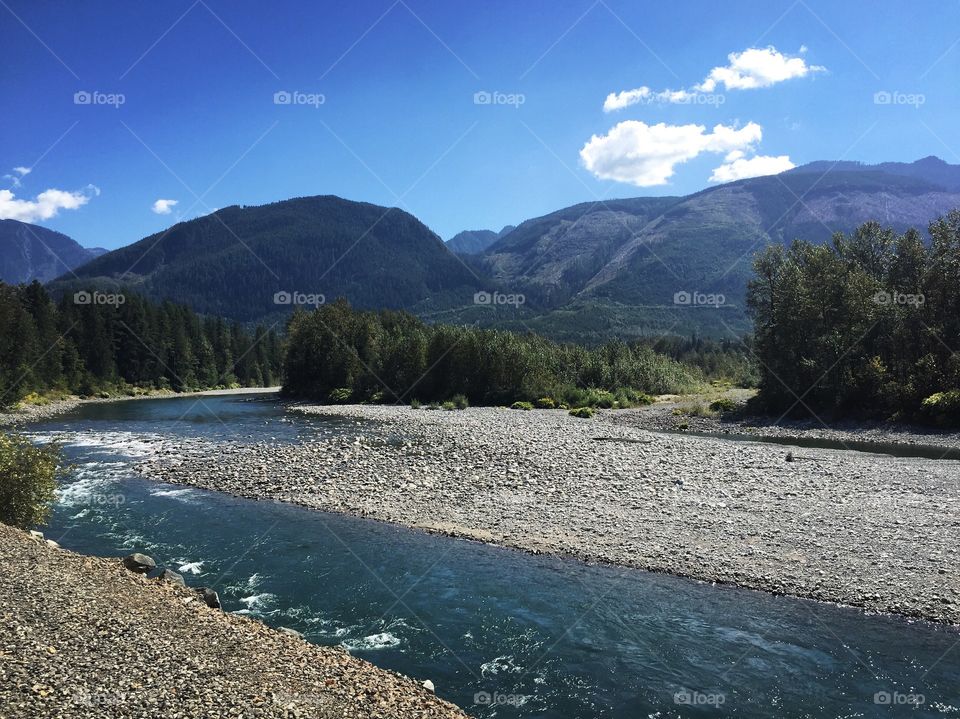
(31, 252)
(473, 242)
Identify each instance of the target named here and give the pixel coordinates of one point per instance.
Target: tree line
(341, 354)
(866, 325)
(91, 342)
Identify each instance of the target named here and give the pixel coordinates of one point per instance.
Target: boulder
(291, 632)
(139, 563)
(428, 685)
(169, 575)
(210, 597)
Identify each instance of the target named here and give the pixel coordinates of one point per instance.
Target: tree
(28, 479)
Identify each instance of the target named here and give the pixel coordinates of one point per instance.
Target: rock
(139, 563)
(291, 632)
(428, 685)
(210, 597)
(36, 535)
(170, 576)
(51, 543)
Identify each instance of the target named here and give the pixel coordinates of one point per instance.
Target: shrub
(582, 412)
(628, 397)
(414, 404)
(449, 406)
(697, 409)
(460, 401)
(521, 405)
(28, 478)
(545, 403)
(724, 404)
(341, 395)
(432, 405)
(942, 407)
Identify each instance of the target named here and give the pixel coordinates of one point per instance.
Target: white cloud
(46, 205)
(736, 167)
(163, 207)
(19, 172)
(757, 67)
(620, 100)
(753, 68)
(646, 155)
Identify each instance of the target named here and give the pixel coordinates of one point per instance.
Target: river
(499, 632)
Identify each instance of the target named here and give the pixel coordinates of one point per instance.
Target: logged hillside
(30, 252)
(233, 262)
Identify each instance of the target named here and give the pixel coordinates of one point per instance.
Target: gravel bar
(873, 531)
(85, 637)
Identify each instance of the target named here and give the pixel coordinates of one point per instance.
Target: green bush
(545, 403)
(28, 478)
(414, 404)
(521, 405)
(460, 401)
(582, 412)
(449, 406)
(942, 407)
(340, 395)
(724, 404)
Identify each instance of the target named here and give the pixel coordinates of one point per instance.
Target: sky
(122, 118)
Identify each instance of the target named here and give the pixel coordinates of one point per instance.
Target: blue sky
(399, 124)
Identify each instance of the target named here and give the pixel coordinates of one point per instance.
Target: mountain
(30, 252)
(627, 267)
(473, 242)
(235, 261)
(931, 169)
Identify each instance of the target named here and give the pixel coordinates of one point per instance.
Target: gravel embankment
(85, 637)
(873, 531)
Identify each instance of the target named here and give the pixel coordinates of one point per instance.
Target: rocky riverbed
(86, 637)
(874, 531)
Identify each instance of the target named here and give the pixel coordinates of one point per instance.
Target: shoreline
(39, 412)
(72, 620)
(660, 418)
(826, 527)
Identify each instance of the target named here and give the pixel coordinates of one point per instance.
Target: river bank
(83, 636)
(866, 530)
(661, 417)
(28, 413)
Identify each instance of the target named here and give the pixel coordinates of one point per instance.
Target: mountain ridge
(32, 252)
